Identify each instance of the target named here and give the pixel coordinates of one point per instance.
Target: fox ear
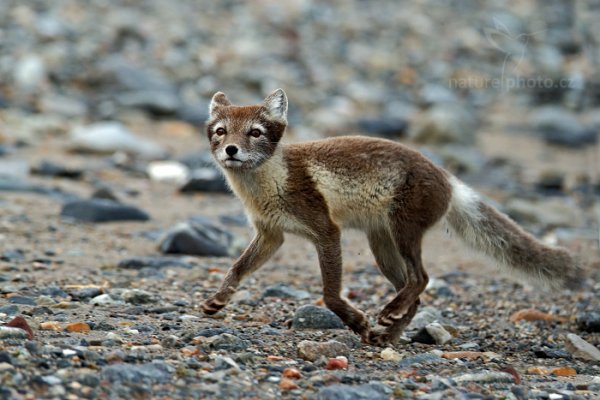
(218, 100)
(277, 104)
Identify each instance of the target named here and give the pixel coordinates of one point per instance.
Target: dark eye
(255, 133)
(220, 131)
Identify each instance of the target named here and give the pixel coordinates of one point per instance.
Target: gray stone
(589, 321)
(138, 296)
(50, 168)
(106, 299)
(229, 342)
(12, 333)
(484, 377)
(312, 351)
(579, 348)
(425, 358)
(30, 72)
(313, 317)
(149, 373)
(152, 262)
(53, 103)
(383, 126)
(110, 137)
(561, 127)
(102, 210)
(283, 291)
(207, 180)
(424, 317)
(198, 236)
(369, 391)
(160, 102)
(445, 124)
(438, 333)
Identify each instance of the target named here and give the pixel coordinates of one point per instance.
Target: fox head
(243, 137)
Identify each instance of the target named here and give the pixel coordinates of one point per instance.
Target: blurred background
(504, 93)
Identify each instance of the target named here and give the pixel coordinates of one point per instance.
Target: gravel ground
(105, 180)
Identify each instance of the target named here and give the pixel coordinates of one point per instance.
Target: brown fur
(391, 192)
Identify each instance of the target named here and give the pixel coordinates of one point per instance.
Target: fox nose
(231, 150)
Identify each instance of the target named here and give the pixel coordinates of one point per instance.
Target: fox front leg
(262, 247)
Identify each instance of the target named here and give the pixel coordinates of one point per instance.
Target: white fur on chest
(262, 192)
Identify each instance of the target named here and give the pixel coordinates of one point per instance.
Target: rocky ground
(115, 225)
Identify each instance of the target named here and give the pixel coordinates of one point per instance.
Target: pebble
(207, 180)
(283, 291)
(21, 323)
(389, 354)
(471, 355)
(579, 348)
(168, 171)
(292, 373)
(424, 317)
(561, 127)
(340, 362)
(313, 317)
(312, 351)
(138, 296)
(370, 391)
(383, 126)
(197, 237)
(78, 327)
(443, 124)
(12, 333)
(589, 321)
(111, 137)
(226, 341)
(438, 333)
(286, 384)
(106, 299)
(152, 262)
(102, 210)
(52, 169)
(149, 373)
(531, 314)
(484, 377)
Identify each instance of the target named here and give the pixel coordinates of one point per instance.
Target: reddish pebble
(340, 362)
(292, 373)
(21, 323)
(78, 327)
(564, 371)
(287, 384)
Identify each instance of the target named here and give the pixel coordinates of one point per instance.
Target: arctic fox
(392, 193)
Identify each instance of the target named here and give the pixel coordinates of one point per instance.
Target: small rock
(551, 183)
(425, 358)
(312, 351)
(340, 362)
(78, 327)
(28, 301)
(283, 291)
(225, 363)
(9, 309)
(292, 373)
(49, 168)
(207, 180)
(149, 373)
(54, 103)
(106, 299)
(12, 333)
(369, 391)
(138, 296)
(484, 377)
(550, 353)
(561, 127)
(229, 342)
(30, 72)
(199, 236)
(110, 137)
(445, 123)
(531, 314)
(589, 321)
(20, 323)
(157, 102)
(287, 384)
(424, 317)
(101, 210)
(152, 262)
(389, 354)
(50, 326)
(579, 348)
(383, 126)
(563, 371)
(438, 333)
(167, 171)
(471, 355)
(313, 317)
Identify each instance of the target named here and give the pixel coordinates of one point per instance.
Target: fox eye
(220, 131)
(255, 133)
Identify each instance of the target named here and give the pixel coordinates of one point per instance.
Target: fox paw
(212, 306)
(380, 338)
